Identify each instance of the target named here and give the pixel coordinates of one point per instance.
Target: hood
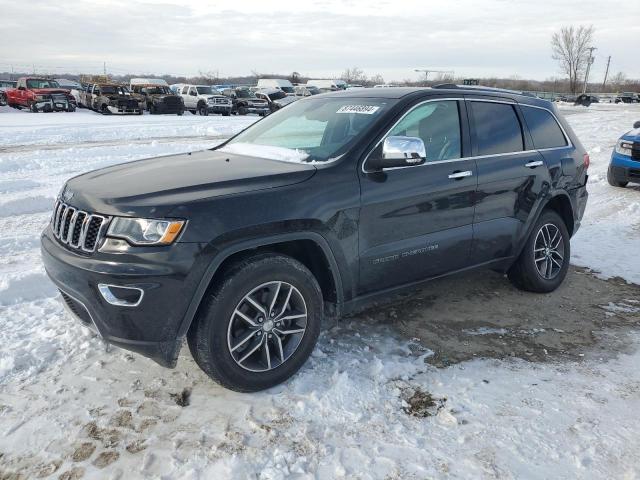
(47, 91)
(208, 97)
(154, 187)
(632, 135)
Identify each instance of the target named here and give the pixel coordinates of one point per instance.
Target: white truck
(204, 99)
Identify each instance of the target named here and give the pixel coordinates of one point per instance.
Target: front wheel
(544, 261)
(259, 325)
(203, 110)
(612, 181)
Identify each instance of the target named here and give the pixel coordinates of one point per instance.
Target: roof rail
(483, 88)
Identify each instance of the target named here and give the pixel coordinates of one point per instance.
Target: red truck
(40, 95)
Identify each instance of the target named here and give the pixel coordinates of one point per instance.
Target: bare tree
(377, 79)
(354, 75)
(570, 48)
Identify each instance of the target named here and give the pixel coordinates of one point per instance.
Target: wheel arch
(561, 204)
(309, 248)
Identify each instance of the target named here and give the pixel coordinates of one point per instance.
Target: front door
(416, 222)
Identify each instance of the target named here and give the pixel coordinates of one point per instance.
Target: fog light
(121, 296)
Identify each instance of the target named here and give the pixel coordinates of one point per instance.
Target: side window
(545, 131)
(438, 125)
(185, 90)
(497, 128)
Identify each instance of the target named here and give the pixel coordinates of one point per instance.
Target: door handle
(459, 175)
(537, 163)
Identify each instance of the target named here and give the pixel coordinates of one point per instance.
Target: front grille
(635, 151)
(171, 101)
(77, 229)
(220, 101)
(77, 308)
(127, 103)
(633, 173)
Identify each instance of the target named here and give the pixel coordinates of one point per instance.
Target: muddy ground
(481, 314)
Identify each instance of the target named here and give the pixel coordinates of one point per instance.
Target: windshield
(207, 91)
(287, 89)
(313, 90)
(157, 90)
(245, 93)
(41, 83)
(113, 90)
(313, 130)
(277, 95)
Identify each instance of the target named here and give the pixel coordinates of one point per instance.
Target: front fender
(219, 256)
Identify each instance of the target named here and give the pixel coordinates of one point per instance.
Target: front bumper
(54, 105)
(163, 108)
(168, 276)
(218, 108)
(123, 110)
(624, 168)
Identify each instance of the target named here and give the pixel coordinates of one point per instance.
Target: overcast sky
(313, 37)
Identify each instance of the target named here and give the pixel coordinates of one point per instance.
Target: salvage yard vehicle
(276, 99)
(245, 101)
(4, 86)
(314, 211)
(111, 98)
(40, 94)
(627, 97)
(306, 90)
(624, 166)
(278, 84)
(203, 99)
(156, 96)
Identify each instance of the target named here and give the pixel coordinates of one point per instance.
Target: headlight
(144, 231)
(39, 98)
(623, 147)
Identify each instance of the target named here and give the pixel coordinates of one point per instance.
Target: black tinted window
(497, 128)
(545, 131)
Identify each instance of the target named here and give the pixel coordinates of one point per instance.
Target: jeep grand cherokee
(315, 210)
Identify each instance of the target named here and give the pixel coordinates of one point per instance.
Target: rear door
(511, 177)
(416, 222)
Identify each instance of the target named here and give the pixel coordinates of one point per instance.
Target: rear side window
(497, 128)
(544, 128)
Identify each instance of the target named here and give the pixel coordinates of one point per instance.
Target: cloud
(494, 37)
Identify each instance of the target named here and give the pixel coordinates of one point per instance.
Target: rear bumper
(624, 168)
(168, 277)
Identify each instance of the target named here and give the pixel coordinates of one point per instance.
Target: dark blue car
(625, 159)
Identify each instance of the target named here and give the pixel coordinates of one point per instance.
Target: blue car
(625, 159)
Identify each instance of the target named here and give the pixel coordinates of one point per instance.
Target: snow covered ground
(365, 406)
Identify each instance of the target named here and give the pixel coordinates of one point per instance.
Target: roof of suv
(401, 92)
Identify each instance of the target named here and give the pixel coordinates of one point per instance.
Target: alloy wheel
(549, 251)
(267, 326)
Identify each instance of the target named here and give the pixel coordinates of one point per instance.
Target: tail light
(586, 161)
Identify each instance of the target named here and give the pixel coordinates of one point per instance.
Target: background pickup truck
(40, 94)
(108, 98)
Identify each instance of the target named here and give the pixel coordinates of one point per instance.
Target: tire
(152, 109)
(104, 110)
(218, 330)
(193, 112)
(542, 276)
(242, 110)
(180, 113)
(203, 110)
(613, 182)
(33, 108)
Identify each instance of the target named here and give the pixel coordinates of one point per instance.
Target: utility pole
(606, 73)
(590, 61)
(104, 68)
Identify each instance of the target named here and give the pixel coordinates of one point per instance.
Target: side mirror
(400, 151)
(636, 124)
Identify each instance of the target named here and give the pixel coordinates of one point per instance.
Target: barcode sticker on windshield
(364, 109)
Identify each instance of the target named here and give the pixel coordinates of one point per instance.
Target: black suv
(315, 211)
